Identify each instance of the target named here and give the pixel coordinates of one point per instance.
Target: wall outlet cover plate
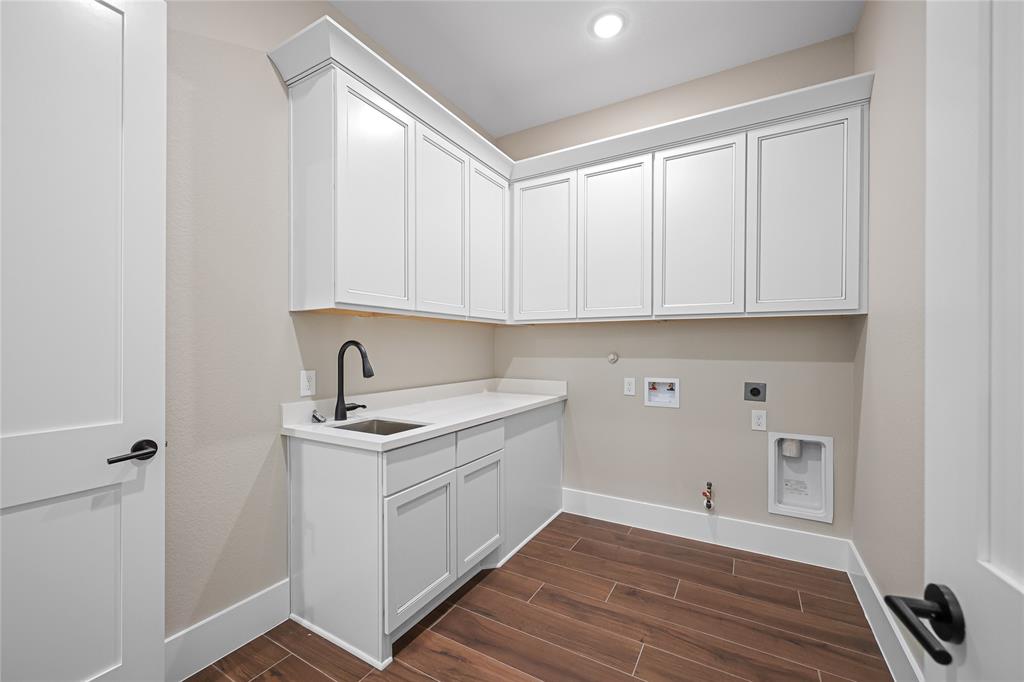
(629, 386)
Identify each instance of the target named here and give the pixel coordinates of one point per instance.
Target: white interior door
(84, 137)
(974, 331)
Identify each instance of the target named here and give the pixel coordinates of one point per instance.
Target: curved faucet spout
(340, 410)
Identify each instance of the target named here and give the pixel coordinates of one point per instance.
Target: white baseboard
(797, 545)
(528, 538)
(199, 645)
(337, 641)
(785, 543)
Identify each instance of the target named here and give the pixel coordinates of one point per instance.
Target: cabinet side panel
(335, 536)
(533, 469)
(312, 191)
(488, 240)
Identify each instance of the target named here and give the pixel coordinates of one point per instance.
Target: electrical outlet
(307, 383)
(759, 420)
(629, 386)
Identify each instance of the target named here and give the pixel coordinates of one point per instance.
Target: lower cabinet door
(481, 486)
(419, 547)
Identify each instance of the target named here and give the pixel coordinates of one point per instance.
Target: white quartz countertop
(440, 409)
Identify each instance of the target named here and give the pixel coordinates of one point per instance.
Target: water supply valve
(709, 503)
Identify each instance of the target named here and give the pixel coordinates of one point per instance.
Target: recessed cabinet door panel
(698, 227)
(488, 243)
(481, 487)
(442, 215)
(419, 547)
(803, 214)
(545, 239)
(375, 244)
(614, 239)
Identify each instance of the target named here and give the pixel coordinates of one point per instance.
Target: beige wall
(233, 350)
(888, 524)
(788, 71)
(617, 446)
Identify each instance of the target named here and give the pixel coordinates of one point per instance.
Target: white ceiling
(512, 65)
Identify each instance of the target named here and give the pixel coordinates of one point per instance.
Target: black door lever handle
(141, 449)
(941, 608)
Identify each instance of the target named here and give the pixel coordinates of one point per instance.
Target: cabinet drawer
(480, 440)
(416, 463)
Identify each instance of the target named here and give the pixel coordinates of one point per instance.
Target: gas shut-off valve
(709, 503)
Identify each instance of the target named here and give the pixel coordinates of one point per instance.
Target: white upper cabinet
(488, 243)
(442, 224)
(545, 247)
(614, 239)
(698, 227)
(375, 246)
(803, 214)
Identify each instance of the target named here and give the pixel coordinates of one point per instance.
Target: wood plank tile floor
(590, 600)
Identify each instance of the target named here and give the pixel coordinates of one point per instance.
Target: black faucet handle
(354, 406)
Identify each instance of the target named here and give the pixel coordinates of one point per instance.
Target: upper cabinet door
(442, 230)
(488, 243)
(545, 247)
(803, 214)
(375, 243)
(614, 239)
(698, 227)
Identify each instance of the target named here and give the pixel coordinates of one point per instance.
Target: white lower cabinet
(419, 546)
(479, 498)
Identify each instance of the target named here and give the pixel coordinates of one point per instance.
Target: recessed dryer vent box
(800, 476)
(661, 392)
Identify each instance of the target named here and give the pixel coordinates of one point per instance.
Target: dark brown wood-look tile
(445, 659)
(522, 651)
(688, 642)
(810, 652)
(318, 652)
(568, 527)
(546, 572)
(693, 573)
(397, 672)
(595, 523)
(832, 589)
(556, 537)
(709, 560)
(834, 609)
(595, 643)
(611, 570)
(512, 584)
(250, 660)
(209, 674)
(785, 564)
(791, 620)
(292, 669)
(656, 665)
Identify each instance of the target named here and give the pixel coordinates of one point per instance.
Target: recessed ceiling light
(608, 25)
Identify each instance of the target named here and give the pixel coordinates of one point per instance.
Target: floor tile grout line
(679, 583)
(546, 641)
(324, 672)
(287, 654)
(412, 667)
(481, 653)
(797, 589)
(800, 600)
(755, 622)
(707, 555)
(641, 653)
(530, 600)
(795, 574)
(610, 592)
(575, 543)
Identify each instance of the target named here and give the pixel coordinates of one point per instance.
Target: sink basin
(378, 427)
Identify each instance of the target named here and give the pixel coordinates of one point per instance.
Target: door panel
(545, 241)
(488, 243)
(480, 499)
(419, 547)
(442, 215)
(803, 214)
(614, 239)
(699, 227)
(84, 139)
(375, 212)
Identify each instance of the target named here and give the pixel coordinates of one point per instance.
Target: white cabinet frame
(601, 251)
(849, 260)
(530, 233)
(730, 260)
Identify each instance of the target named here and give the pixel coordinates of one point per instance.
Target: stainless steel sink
(378, 427)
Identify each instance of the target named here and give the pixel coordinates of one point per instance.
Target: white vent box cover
(800, 476)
